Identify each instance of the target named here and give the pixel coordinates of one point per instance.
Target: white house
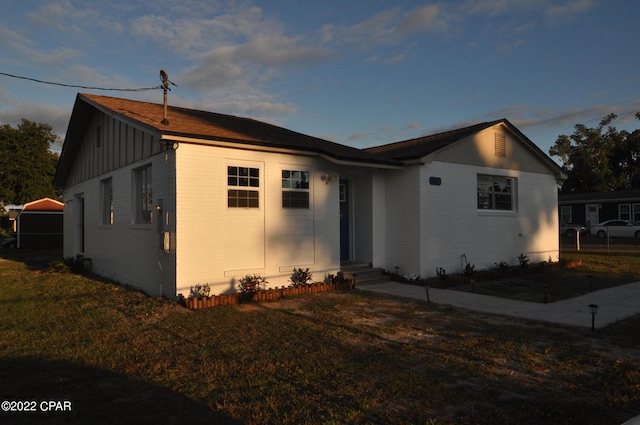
(210, 198)
(481, 195)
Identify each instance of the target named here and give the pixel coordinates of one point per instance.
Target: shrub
(469, 269)
(300, 277)
(200, 291)
(250, 284)
(524, 260)
(502, 265)
(59, 266)
(78, 264)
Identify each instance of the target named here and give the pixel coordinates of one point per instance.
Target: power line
(550, 125)
(77, 86)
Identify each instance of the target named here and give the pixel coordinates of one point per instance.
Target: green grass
(332, 358)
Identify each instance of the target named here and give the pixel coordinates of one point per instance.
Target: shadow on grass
(95, 396)
(35, 259)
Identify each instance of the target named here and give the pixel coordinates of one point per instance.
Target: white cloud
(568, 10)
(424, 18)
(488, 7)
(389, 27)
(14, 110)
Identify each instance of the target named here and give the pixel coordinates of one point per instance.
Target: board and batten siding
(109, 144)
(219, 245)
(123, 251)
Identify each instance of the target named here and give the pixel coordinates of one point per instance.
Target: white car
(617, 229)
(570, 230)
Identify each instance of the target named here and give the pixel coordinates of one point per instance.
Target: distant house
(40, 224)
(210, 198)
(13, 215)
(596, 207)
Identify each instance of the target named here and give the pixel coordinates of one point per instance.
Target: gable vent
(500, 145)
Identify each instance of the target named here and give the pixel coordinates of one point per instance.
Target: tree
(27, 166)
(599, 159)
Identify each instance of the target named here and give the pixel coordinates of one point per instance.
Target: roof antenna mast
(164, 77)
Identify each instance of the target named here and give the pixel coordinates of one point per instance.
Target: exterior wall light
(326, 178)
(165, 145)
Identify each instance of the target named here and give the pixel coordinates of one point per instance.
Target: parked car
(570, 230)
(617, 229)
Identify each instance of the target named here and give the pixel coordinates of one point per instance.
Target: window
(495, 193)
(565, 214)
(143, 213)
(624, 212)
(239, 178)
(295, 189)
(636, 212)
(106, 191)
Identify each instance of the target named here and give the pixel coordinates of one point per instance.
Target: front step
(363, 274)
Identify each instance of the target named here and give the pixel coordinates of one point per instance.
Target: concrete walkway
(614, 303)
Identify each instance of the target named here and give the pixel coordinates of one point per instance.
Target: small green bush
(300, 277)
(201, 291)
(250, 284)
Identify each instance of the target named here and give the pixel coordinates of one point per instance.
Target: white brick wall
(127, 253)
(219, 245)
(433, 226)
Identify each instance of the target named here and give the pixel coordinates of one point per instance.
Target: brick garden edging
(194, 303)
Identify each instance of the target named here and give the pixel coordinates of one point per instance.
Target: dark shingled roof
(213, 126)
(421, 146)
(203, 125)
(617, 196)
(417, 148)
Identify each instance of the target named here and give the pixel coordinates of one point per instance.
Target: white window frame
(243, 179)
(492, 198)
(142, 195)
(566, 214)
(106, 201)
(624, 211)
(294, 184)
(635, 212)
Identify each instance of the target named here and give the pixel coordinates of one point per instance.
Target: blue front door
(345, 240)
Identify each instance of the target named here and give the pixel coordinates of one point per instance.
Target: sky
(361, 73)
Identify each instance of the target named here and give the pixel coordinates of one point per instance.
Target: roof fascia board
(261, 148)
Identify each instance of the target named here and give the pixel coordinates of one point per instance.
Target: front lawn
(331, 358)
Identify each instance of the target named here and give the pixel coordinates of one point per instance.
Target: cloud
(400, 57)
(567, 11)
(358, 136)
(424, 18)
(489, 7)
(389, 27)
(246, 67)
(14, 110)
(20, 47)
(232, 53)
